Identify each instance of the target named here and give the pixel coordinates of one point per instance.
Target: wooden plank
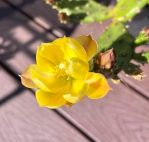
(121, 116)
(8, 87)
(32, 8)
(94, 29)
(19, 37)
(139, 85)
(22, 120)
(29, 123)
(46, 16)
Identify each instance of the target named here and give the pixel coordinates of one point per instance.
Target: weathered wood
(22, 120)
(139, 85)
(119, 117)
(7, 87)
(19, 37)
(44, 15)
(31, 7)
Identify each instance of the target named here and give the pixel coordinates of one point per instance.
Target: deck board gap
(141, 94)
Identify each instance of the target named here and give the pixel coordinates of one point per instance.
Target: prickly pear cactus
(123, 45)
(80, 10)
(92, 11)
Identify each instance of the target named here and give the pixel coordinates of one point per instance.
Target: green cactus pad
(111, 34)
(82, 10)
(125, 10)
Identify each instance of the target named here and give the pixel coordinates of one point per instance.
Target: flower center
(62, 66)
(61, 71)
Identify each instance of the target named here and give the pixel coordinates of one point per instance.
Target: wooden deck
(122, 116)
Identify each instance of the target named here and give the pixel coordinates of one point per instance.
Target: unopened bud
(106, 60)
(63, 18)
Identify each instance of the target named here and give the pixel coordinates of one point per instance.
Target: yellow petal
(78, 91)
(26, 78)
(51, 52)
(70, 98)
(89, 44)
(45, 65)
(48, 81)
(78, 87)
(50, 100)
(97, 85)
(77, 68)
(71, 48)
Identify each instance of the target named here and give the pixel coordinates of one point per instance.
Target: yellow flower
(61, 73)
